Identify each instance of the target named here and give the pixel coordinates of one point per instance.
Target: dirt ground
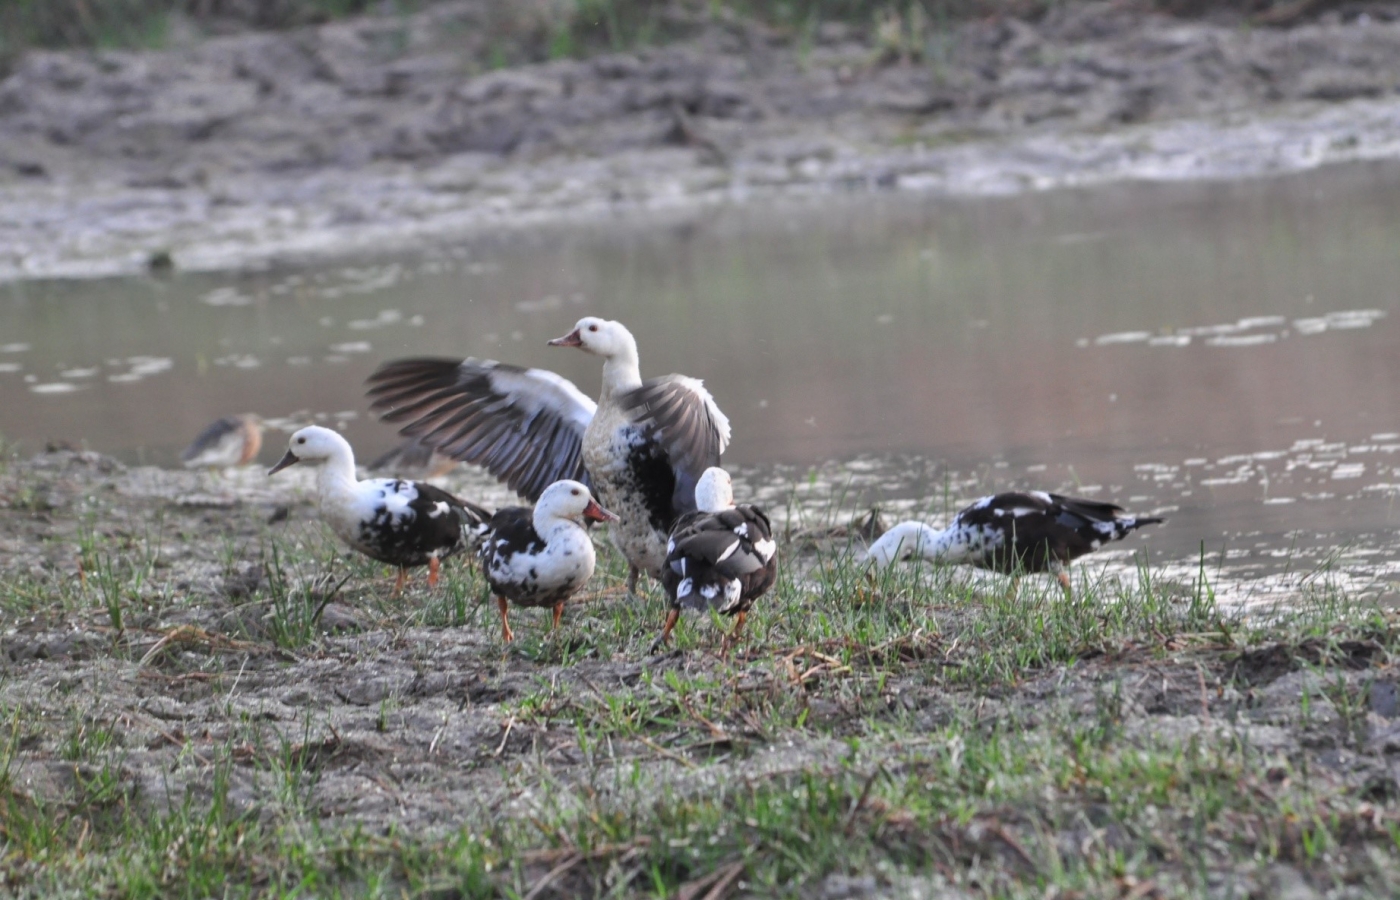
(158, 644)
(380, 131)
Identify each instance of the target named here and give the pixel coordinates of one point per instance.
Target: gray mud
(378, 133)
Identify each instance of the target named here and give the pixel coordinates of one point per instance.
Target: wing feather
(524, 426)
(685, 421)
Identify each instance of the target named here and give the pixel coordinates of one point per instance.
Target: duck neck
(621, 371)
(336, 479)
(915, 539)
(548, 525)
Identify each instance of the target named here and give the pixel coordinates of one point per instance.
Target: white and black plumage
(540, 557)
(413, 459)
(1014, 533)
(642, 447)
(403, 523)
(720, 557)
(231, 441)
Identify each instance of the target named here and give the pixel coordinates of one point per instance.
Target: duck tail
(477, 516)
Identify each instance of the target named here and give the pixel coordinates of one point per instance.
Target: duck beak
(571, 339)
(595, 513)
(290, 459)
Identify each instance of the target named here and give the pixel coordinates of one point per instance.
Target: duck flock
(644, 458)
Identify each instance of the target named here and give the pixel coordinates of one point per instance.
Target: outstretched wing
(524, 426)
(685, 421)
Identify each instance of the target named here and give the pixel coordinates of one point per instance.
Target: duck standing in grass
(1014, 533)
(642, 446)
(541, 557)
(403, 523)
(720, 557)
(231, 441)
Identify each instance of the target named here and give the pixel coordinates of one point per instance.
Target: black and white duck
(402, 523)
(642, 447)
(228, 442)
(1014, 533)
(720, 557)
(541, 556)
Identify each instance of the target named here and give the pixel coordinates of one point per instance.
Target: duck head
(313, 445)
(714, 492)
(569, 500)
(601, 337)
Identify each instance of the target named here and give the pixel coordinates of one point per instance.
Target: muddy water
(1225, 353)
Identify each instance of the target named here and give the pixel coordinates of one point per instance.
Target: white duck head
(714, 492)
(601, 337)
(317, 446)
(568, 501)
(612, 341)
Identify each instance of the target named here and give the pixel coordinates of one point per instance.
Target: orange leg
(558, 611)
(402, 580)
(506, 634)
(737, 633)
(671, 618)
(1063, 577)
(433, 567)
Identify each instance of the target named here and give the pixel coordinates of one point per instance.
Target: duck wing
(681, 416)
(726, 554)
(1098, 522)
(524, 426)
(443, 519)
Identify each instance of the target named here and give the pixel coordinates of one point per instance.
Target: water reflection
(1223, 353)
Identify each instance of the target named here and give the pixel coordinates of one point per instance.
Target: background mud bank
(383, 131)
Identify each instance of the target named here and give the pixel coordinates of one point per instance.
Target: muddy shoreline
(383, 133)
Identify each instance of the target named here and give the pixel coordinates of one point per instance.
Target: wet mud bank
(381, 133)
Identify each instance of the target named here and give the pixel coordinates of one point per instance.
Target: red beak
(571, 339)
(596, 513)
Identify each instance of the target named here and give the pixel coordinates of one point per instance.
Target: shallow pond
(1225, 353)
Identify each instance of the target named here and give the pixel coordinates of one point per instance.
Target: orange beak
(571, 339)
(595, 513)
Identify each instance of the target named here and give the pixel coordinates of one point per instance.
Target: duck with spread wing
(641, 448)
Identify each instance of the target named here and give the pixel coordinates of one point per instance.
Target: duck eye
(301, 440)
(592, 327)
(574, 492)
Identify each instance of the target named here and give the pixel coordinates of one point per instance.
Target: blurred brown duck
(231, 441)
